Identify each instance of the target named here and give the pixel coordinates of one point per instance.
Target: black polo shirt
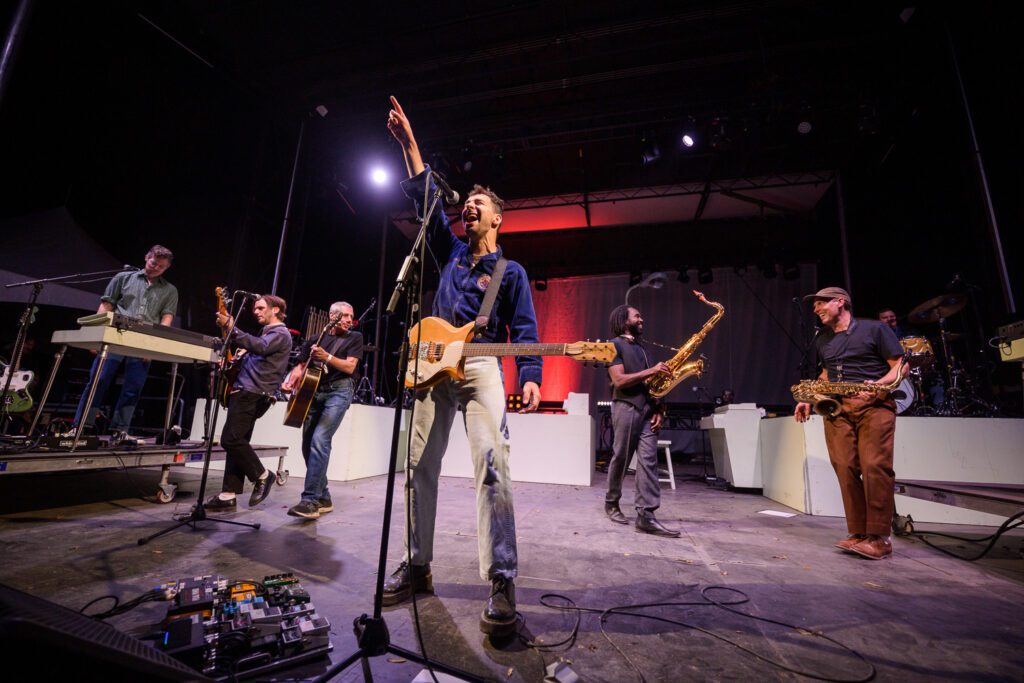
(345, 346)
(859, 353)
(633, 358)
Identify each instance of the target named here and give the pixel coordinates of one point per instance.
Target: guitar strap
(484, 316)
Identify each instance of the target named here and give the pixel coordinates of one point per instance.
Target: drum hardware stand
(218, 376)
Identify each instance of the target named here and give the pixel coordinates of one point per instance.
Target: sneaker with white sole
(325, 506)
(305, 508)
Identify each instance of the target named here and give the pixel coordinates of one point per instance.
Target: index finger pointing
(396, 105)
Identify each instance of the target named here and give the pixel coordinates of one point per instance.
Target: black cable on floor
(568, 605)
(1011, 523)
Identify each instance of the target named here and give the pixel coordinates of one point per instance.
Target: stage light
(768, 270)
(705, 276)
(740, 269)
(649, 151)
(804, 127)
(688, 140)
(684, 274)
(379, 176)
(541, 284)
(790, 271)
(514, 402)
(635, 277)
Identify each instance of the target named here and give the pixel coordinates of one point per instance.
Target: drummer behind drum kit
(959, 397)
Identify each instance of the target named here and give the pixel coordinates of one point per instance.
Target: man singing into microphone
(465, 277)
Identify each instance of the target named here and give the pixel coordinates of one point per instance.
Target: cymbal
(939, 307)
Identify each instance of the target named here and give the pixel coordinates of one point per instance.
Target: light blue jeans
(325, 415)
(482, 397)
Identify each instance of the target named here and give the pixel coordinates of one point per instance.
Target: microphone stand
(372, 634)
(219, 378)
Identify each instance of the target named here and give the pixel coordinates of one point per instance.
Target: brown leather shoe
(873, 548)
(849, 541)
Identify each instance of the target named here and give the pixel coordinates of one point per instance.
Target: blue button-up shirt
(463, 284)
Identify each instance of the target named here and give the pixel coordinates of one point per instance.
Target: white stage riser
(796, 470)
(547, 449)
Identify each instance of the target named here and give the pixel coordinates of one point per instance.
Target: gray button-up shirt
(132, 294)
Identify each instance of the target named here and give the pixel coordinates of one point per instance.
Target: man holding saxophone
(860, 437)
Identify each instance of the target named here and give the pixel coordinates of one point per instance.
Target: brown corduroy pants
(860, 446)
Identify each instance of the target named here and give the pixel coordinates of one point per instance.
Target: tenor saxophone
(679, 364)
(822, 394)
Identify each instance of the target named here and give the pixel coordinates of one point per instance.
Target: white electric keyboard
(137, 339)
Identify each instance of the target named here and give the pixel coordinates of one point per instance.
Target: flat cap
(829, 293)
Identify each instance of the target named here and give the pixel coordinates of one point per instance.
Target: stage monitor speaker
(52, 643)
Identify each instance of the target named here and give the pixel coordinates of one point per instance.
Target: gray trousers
(632, 432)
(482, 397)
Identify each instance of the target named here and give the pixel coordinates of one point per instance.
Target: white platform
(796, 470)
(360, 448)
(547, 449)
(734, 431)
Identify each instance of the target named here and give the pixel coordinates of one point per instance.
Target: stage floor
(921, 615)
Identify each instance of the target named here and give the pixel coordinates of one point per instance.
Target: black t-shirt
(346, 346)
(633, 358)
(858, 353)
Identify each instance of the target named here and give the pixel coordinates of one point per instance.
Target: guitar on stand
(443, 348)
(302, 396)
(14, 383)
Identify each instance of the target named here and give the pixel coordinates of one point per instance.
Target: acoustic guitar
(443, 348)
(302, 397)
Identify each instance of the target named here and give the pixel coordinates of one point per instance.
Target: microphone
(247, 295)
(450, 195)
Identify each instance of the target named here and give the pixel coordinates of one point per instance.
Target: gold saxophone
(822, 393)
(659, 385)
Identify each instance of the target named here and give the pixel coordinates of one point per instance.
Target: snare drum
(921, 354)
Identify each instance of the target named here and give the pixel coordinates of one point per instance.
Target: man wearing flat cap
(860, 437)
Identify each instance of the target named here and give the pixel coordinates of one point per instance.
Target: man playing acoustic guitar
(464, 281)
(340, 353)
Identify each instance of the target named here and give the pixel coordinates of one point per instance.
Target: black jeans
(244, 408)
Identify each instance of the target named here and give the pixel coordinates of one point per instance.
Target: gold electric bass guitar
(443, 348)
(302, 395)
(231, 359)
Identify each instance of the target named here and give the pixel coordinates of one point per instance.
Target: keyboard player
(146, 295)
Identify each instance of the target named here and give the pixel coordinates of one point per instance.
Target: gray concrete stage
(918, 616)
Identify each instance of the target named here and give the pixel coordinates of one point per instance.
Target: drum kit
(950, 382)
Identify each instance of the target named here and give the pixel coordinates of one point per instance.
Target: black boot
(399, 586)
(646, 523)
(499, 617)
(614, 513)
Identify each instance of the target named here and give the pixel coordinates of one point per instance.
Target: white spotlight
(379, 176)
(688, 140)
